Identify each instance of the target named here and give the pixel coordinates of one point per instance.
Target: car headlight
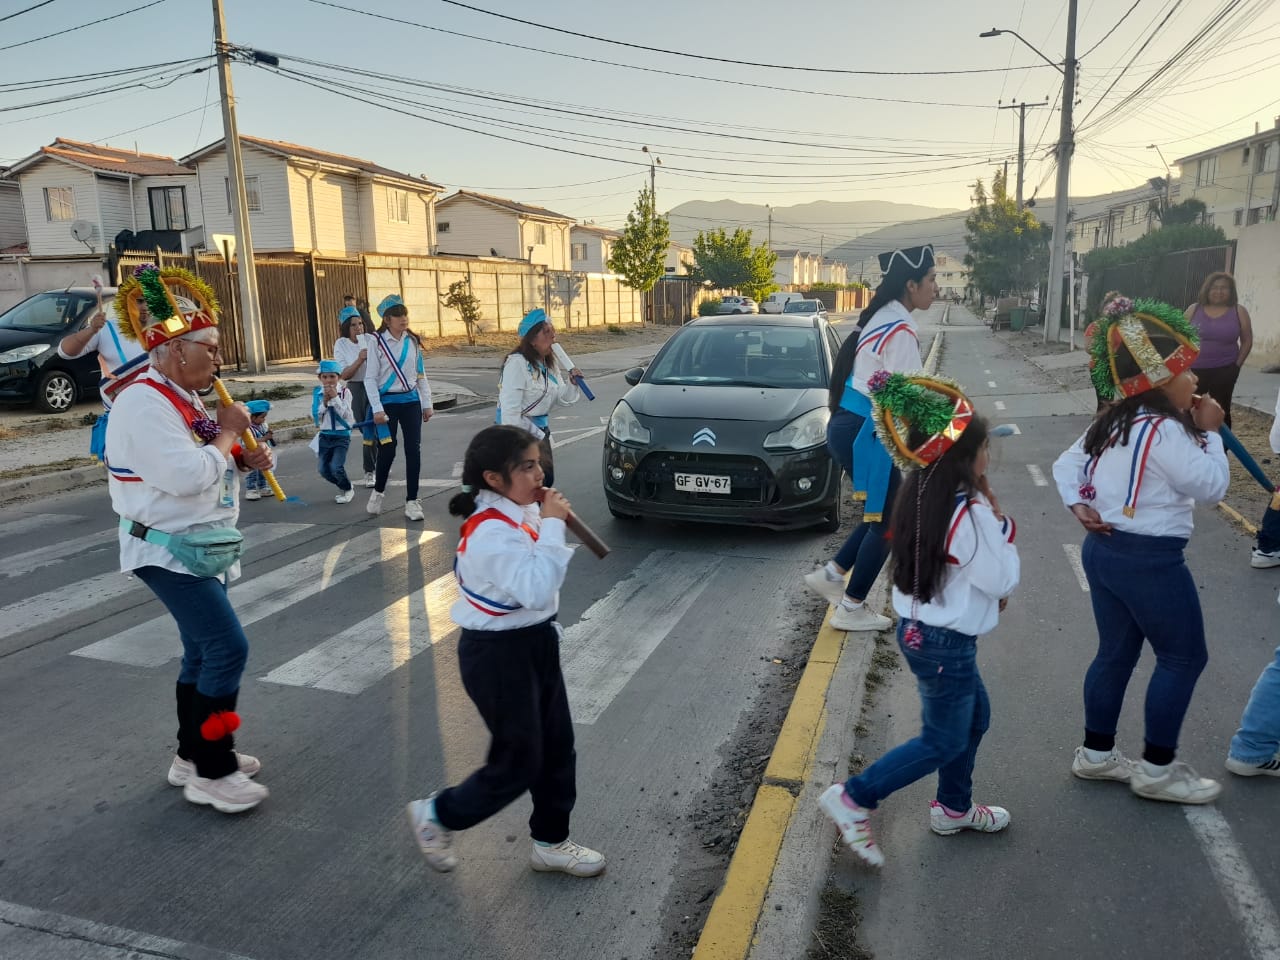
(29, 352)
(807, 430)
(625, 427)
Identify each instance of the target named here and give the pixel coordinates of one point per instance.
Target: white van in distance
(777, 302)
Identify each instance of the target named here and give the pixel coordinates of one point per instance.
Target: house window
(398, 206)
(168, 208)
(442, 226)
(1269, 157)
(1206, 171)
(59, 203)
(1207, 220)
(250, 190)
(1260, 214)
(1239, 218)
(540, 233)
(578, 251)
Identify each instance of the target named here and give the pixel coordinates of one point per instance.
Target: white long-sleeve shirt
(162, 476)
(1151, 485)
(328, 413)
(506, 578)
(982, 569)
(889, 341)
(402, 373)
(114, 349)
(527, 393)
(347, 353)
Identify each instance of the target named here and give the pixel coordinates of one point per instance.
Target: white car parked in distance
(737, 305)
(777, 302)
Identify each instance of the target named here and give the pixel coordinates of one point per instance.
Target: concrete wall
(1257, 273)
(21, 277)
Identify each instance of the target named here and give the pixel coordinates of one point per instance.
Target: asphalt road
(679, 643)
(1085, 869)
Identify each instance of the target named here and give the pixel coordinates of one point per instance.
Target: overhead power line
(1106, 36)
(114, 16)
(19, 13)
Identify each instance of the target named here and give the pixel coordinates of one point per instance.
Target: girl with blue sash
(396, 382)
(886, 340)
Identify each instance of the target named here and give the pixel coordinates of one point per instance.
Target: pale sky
(835, 145)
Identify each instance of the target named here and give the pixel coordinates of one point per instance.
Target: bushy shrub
(709, 308)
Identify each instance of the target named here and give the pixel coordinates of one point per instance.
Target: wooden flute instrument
(247, 439)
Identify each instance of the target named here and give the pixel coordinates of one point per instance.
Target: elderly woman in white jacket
(534, 380)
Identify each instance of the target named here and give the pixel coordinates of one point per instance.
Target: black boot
(216, 721)
(188, 725)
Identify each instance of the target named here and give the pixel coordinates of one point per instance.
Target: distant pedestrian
(532, 382)
(331, 411)
(1255, 749)
(511, 562)
(954, 566)
(1226, 338)
(118, 357)
(351, 350)
(255, 482)
(395, 380)
(888, 341)
(1266, 548)
(1133, 480)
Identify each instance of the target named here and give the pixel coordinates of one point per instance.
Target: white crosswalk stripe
(92, 591)
(33, 560)
(153, 644)
(38, 521)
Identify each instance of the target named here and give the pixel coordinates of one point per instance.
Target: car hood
(767, 405)
(10, 338)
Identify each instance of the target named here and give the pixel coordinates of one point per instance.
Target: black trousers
(1219, 383)
(408, 418)
(361, 410)
(513, 677)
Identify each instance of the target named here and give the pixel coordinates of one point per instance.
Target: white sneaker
(858, 619)
(413, 509)
(830, 590)
(369, 480)
(181, 771)
(980, 817)
(375, 503)
(1114, 766)
(852, 821)
(1176, 783)
(567, 857)
(252, 495)
(346, 496)
(1263, 559)
(435, 842)
(1267, 768)
(233, 793)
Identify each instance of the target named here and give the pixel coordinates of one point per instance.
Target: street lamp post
(1168, 177)
(1066, 146)
(654, 162)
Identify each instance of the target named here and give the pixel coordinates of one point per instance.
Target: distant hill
(822, 224)
(946, 233)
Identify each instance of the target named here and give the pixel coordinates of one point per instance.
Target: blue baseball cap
(531, 319)
(258, 406)
(347, 313)
(329, 366)
(389, 301)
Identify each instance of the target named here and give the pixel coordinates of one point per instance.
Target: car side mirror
(633, 375)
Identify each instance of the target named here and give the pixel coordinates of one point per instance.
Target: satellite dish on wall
(83, 230)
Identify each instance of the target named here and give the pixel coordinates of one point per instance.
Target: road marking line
(1037, 475)
(1014, 427)
(604, 420)
(154, 643)
(991, 383)
(999, 404)
(45, 556)
(1240, 887)
(457, 470)
(1077, 564)
(430, 484)
(358, 657)
(92, 591)
(557, 443)
(600, 657)
(986, 371)
(37, 521)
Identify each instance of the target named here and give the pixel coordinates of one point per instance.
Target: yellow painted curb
(1235, 515)
(731, 924)
(798, 739)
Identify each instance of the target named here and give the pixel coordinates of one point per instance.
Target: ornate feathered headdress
(1136, 345)
(934, 406)
(164, 302)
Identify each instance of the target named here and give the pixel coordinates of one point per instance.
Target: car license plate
(702, 483)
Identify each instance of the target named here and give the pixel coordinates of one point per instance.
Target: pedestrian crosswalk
(311, 642)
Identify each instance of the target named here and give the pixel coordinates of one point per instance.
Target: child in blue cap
(254, 481)
(331, 411)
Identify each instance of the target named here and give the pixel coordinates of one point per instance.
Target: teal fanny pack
(206, 553)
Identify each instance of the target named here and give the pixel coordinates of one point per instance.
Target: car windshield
(741, 356)
(800, 306)
(52, 312)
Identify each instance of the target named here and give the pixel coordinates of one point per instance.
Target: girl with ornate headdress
(1133, 480)
(954, 566)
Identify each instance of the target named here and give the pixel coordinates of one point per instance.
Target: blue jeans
(1258, 738)
(954, 714)
(1269, 531)
(1141, 589)
(408, 417)
(333, 460)
(254, 480)
(214, 647)
(867, 547)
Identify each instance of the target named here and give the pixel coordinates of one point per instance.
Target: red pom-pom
(219, 725)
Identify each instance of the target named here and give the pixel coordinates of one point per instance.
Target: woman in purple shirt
(1226, 337)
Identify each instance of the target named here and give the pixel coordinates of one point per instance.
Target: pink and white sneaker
(982, 818)
(852, 821)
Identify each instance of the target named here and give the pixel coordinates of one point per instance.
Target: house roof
(287, 150)
(598, 230)
(511, 206)
(100, 159)
(1233, 145)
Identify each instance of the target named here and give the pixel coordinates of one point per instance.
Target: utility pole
(250, 313)
(1022, 109)
(770, 209)
(1062, 192)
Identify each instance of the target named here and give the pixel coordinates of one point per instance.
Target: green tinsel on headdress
(927, 411)
(149, 280)
(1100, 362)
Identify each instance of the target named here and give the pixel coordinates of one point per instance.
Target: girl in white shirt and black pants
(1133, 481)
(511, 562)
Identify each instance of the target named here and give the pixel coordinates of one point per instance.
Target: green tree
(1190, 210)
(1008, 248)
(467, 304)
(639, 256)
(730, 262)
